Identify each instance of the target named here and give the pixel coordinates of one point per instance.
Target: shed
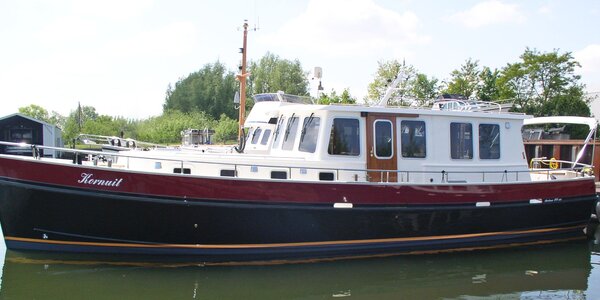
(19, 128)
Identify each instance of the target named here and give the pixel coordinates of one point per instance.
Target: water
(558, 271)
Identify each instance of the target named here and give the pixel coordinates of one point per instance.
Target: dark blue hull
(52, 218)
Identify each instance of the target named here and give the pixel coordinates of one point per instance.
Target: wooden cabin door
(381, 148)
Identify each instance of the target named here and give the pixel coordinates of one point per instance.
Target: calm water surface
(559, 271)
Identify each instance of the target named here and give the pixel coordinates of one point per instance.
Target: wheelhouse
(391, 145)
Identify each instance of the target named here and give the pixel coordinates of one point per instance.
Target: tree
(271, 74)
(102, 125)
(464, 81)
(35, 111)
(166, 128)
(226, 130)
(387, 71)
(424, 88)
(544, 83)
(487, 89)
(211, 89)
(333, 98)
(40, 113)
(74, 124)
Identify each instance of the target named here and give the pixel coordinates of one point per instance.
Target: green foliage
(540, 84)
(424, 88)
(166, 128)
(387, 71)
(39, 113)
(333, 98)
(464, 81)
(487, 90)
(102, 125)
(74, 124)
(544, 84)
(211, 89)
(415, 85)
(271, 74)
(226, 130)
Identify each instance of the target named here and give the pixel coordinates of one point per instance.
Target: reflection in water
(562, 270)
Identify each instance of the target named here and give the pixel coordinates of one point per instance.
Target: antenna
(318, 74)
(256, 17)
(257, 25)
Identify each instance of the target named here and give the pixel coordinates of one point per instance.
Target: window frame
(424, 138)
(279, 132)
(462, 149)
(390, 142)
(256, 135)
(352, 143)
(266, 135)
(496, 144)
(289, 135)
(305, 136)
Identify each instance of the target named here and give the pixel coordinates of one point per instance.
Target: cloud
(546, 9)
(589, 58)
(488, 13)
(348, 28)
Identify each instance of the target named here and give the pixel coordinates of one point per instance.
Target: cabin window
(461, 140)
(256, 135)
(265, 137)
(228, 173)
(413, 139)
(384, 139)
(289, 135)
(278, 132)
(489, 141)
(179, 171)
(326, 176)
(278, 175)
(344, 138)
(310, 132)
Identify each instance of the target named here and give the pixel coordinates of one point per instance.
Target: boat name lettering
(552, 200)
(88, 178)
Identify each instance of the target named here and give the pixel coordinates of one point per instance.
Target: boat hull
(41, 216)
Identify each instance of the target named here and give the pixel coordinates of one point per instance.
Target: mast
(242, 78)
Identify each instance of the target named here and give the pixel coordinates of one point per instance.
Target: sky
(120, 56)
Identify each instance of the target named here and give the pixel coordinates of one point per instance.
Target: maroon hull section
(186, 186)
(67, 207)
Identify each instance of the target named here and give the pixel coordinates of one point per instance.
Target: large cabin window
(384, 139)
(344, 138)
(256, 135)
(278, 132)
(265, 137)
(309, 135)
(289, 136)
(413, 139)
(461, 140)
(489, 141)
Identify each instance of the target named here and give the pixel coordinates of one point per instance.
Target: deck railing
(107, 159)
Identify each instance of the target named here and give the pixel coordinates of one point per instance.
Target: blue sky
(119, 56)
